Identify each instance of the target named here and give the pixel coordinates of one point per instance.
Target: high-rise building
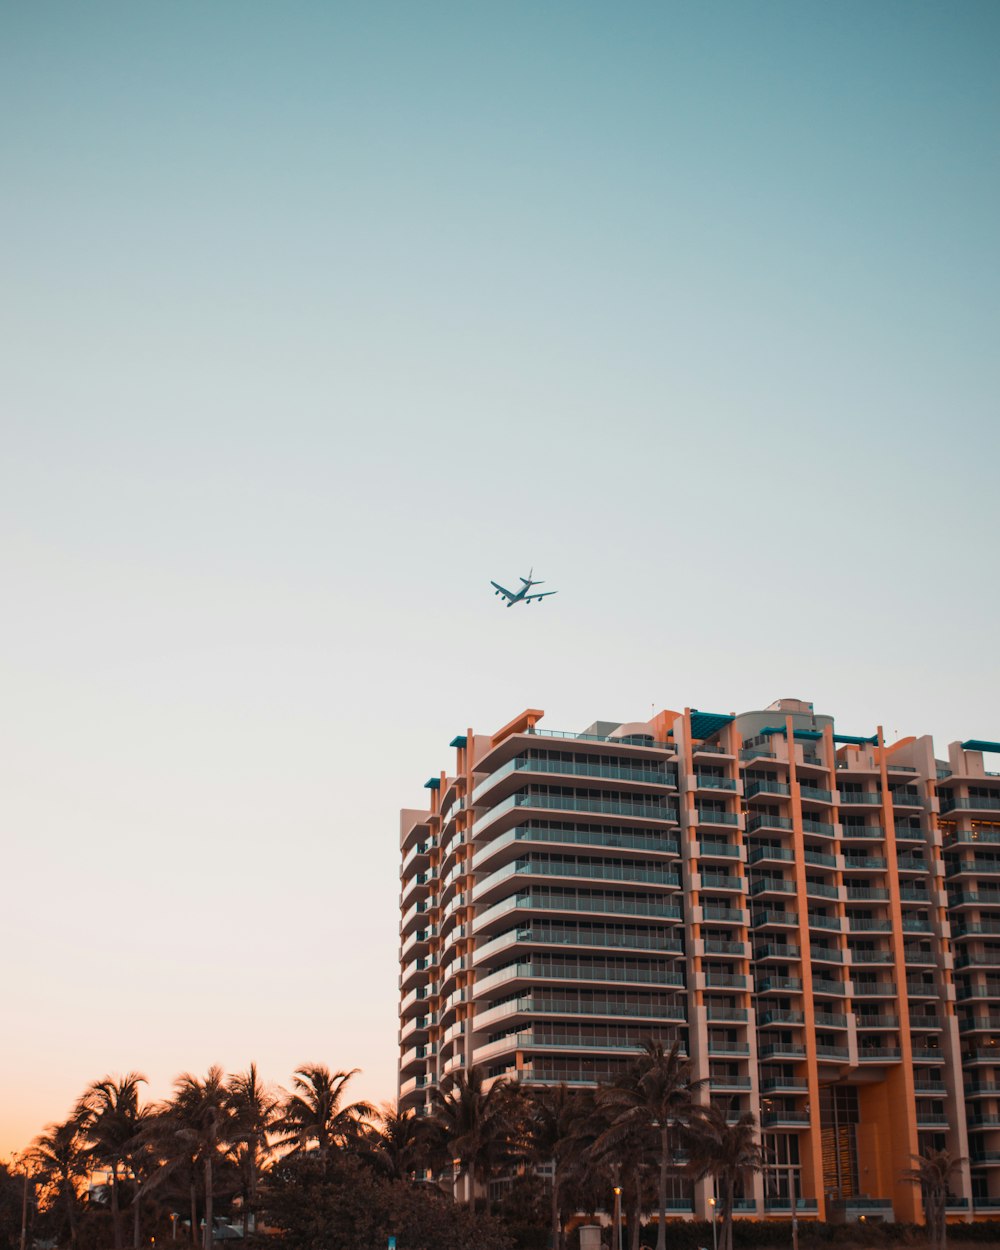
(813, 915)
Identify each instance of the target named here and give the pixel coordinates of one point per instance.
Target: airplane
(522, 595)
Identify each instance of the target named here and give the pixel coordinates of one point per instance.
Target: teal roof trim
(459, 741)
(704, 724)
(809, 735)
(853, 740)
(433, 784)
(980, 744)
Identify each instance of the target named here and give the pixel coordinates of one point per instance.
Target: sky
(317, 317)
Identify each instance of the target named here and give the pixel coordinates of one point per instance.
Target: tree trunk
(136, 1226)
(727, 1215)
(115, 1221)
(634, 1226)
(71, 1212)
(208, 1201)
(194, 1210)
(556, 1221)
(661, 1232)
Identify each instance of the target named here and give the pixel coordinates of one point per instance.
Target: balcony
(624, 809)
(717, 946)
(776, 950)
(872, 957)
(832, 1054)
(771, 854)
(541, 1004)
(782, 1050)
(776, 919)
(784, 1119)
(824, 985)
(768, 787)
(718, 850)
(979, 1024)
(765, 821)
(777, 1018)
(572, 869)
(583, 836)
(735, 1015)
(703, 781)
(706, 816)
(632, 775)
(720, 881)
(949, 803)
(820, 828)
(778, 985)
(771, 885)
(724, 915)
(539, 900)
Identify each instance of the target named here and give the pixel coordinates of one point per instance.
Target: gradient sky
(317, 317)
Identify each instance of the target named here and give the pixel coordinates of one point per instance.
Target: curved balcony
(522, 871)
(508, 845)
(554, 1006)
(511, 810)
(567, 1041)
(508, 777)
(559, 937)
(554, 902)
(551, 972)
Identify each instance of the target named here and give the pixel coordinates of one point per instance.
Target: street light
(618, 1217)
(715, 1246)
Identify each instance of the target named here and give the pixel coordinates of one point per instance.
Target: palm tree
(398, 1143)
(933, 1172)
(59, 1155)
(109, 1117)
(315, 1111)
(557, 1118)
(475, 1123)
(254, 1108)
(727, 1152)
(202, 1117)
(654, 1098)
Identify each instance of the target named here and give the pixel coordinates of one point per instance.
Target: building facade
(814, 916)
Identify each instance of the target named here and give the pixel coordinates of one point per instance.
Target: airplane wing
(501, 591)
(528, 598)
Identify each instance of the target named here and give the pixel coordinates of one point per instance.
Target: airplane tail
(528, 580)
